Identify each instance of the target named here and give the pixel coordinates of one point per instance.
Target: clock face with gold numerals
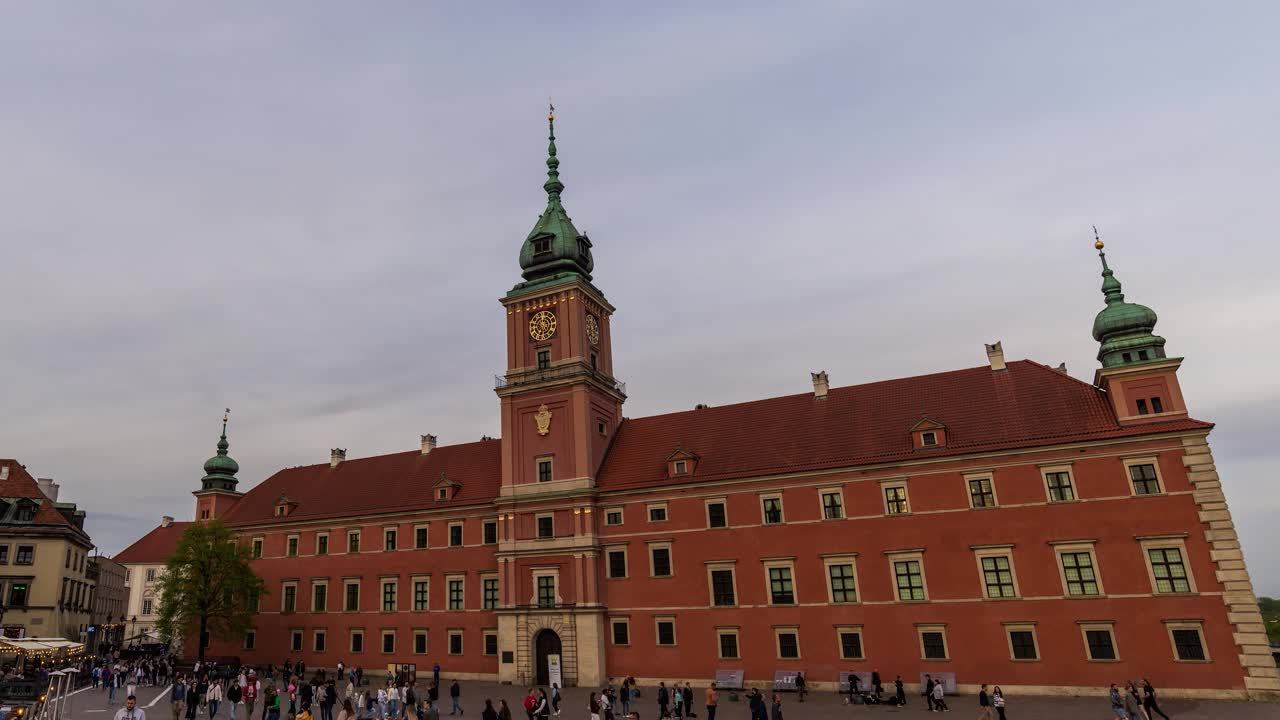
(542, 325)
(593, 330)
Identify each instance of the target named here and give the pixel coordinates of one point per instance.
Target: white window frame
(485, 634)
(426, 641)
(537, 468)
(449, 579)
(1096, 626)
(1071, 477)
(283, 586)
(413, 592)
(622, 516)
(359, 542)
(850, 559)
(981, 552)
(706, 504)
(316, 584)
(737, 642)
(329, 546)
(554, 574)
(256, 547)
(315, 640)
(351, 642)
(838, 491)
(613, 639)
(778, 632)
(1176, 542)
(855, 630)
(650, 507)
(790, 565)
(382, 594)
(1078, 546)
(382, 642)
(732, 567)
(968, 493)
(485, 577)
(896, 556)
(921, 629)
(462, 540)
(1152, 460)
(782, 509)
(427, 528)
(924, 438)
(462, 642)
(893, 483)
(391, 529)
(608, 564)
(297, 544)
(657, 638)
(671, 557)
(346, 583)
(1029, 626)
(537, 525)
(1198, 626)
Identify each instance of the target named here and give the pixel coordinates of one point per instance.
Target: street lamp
(133, 628)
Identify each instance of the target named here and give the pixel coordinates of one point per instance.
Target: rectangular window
(909, 579)
(728, 640)
(682, 467)
(322, 544)
(490, 532)
(842, 583)
(250, 639)
(420, 642)
(421, 594)
(420, 538)
(292, 547)
(546, 526)
(716, 516)
(1169, 571)
(850, 645)
(147, 607)
(18, 595)
(151, 572)
(357, 641)
(388, 595)
(352, 603)
(666, 632)
(353, 541)
(257, 550)
(389, 539)
(929, 439)
(295, 640)
(4, 556)
(997, 575)
(980, 493)
(455, 642)
(1100, 643)
(1157, 407)
(657, 513)
(1022, 644)
(319, 598)
(772, 510)
(661, 558)
(1188, 644)
(455, 593)
(388, 641)
(621, 632)
(832, 505)
(546, 591)
(933, 644)
(490, 643)
(1077, 568)
(617, 563)
(722, 588)
(544, 359)
(788, 644)
(490, 588)
(781, 588)
(455, 535)
(1059, 484)
(1142, 406)
(544, 470)
(613, 517)
(895, 500)
(1145, 481)
(290, 598)
(319, 641)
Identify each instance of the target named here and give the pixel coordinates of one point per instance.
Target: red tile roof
(1027, 405)
(155, 547)
(21, 484)
(401, 481)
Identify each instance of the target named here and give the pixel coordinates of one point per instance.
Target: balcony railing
(516, 378)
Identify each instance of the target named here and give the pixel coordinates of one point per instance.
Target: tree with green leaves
(208, 587)
(1270, 608)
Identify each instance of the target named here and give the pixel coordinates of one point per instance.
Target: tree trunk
(204, 626)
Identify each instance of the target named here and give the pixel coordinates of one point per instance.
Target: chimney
(428, 444)
(820, 385)
(4, 472)
(166, 521)
(48, 487)
(337, 455)
(995, 354)
(1062, 368)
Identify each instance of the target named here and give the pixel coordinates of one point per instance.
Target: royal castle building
(1006, 523)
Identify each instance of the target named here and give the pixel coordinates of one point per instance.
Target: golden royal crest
(542, 325)
(543, 419)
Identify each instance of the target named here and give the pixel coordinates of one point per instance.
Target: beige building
(144, 563)
(110, 600)
(45, 583)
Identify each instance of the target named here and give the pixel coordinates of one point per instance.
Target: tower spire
(1110, 285)
(1125, 330)
(220, 470)
(553, 186)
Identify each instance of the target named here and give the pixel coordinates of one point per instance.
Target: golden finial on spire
(1097, 241)
(551, 109)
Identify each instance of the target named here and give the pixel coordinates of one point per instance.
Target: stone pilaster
(1261, 680)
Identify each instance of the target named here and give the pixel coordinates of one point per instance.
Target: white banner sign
(553, 670)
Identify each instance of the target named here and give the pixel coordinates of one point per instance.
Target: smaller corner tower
(1140, 380)
(217, 491)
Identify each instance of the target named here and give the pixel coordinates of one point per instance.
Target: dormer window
(682, 467)
(929, 439)
(928, 434)
(541, 245)
(445, 488)
(284, 506)
(1156, 405)
(442, 494)
(584, 250)
(26, 512)
(682, 462)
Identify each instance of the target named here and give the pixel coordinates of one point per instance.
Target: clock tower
(561, 406)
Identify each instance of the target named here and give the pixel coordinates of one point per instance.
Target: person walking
(1117, 703)
(543, 709)
(593, 707)
(800, 687)
(939, 704)
(504, 711)
(555, 699)
(455, 694)
(1133, 702)
(252, 688)
(713, 700)
(899, 693)
(776, 713)
(928, 691)
(131, 711)
(328, 699)
(1149, 700)
(664, 699)
(176, 696)
(213, 698)
(997, 700)
(984, 704)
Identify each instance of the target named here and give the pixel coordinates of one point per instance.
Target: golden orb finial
(1097, 241)
(1097, 245)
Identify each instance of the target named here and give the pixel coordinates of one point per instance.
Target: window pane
(455, 594)
(1077, 568)
(1024, 644)
(850, 645)
(998, 577)
(621, 633)
(490, 593)
(772, 510)
(722, 587)
(842, 588)
(832, 506)
(980, 493)
(546, 591)
(661, 562)
(1060, 486)
(788, 645)
(617, 563)
(715, 515)
(781, 591)
(1187, 643)
(666, 633)
(728, 645)
(895, 499)
(490, 533)
(1144, 479)
(1169, 571)
(420, 538)
(1101, 646)
(909, 579)
(935, 647)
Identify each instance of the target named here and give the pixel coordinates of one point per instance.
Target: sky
(307, 211)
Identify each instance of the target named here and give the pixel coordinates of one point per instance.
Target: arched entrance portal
(546, 643)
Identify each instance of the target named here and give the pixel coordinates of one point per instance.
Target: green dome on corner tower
(554, 250)
(1126, 330)
(220, 470)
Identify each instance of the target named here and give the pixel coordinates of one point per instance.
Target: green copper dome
(554, 250)
(1126, 330)
(220, 470)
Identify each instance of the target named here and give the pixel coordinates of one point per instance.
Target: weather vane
(551, 109)
(1097, 241)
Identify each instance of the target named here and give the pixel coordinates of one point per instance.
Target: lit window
(1077, 568)
(772, 507)
(895, 500)
(980, 493)
(909, 579)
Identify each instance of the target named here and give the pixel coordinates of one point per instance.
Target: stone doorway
(546, 643)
